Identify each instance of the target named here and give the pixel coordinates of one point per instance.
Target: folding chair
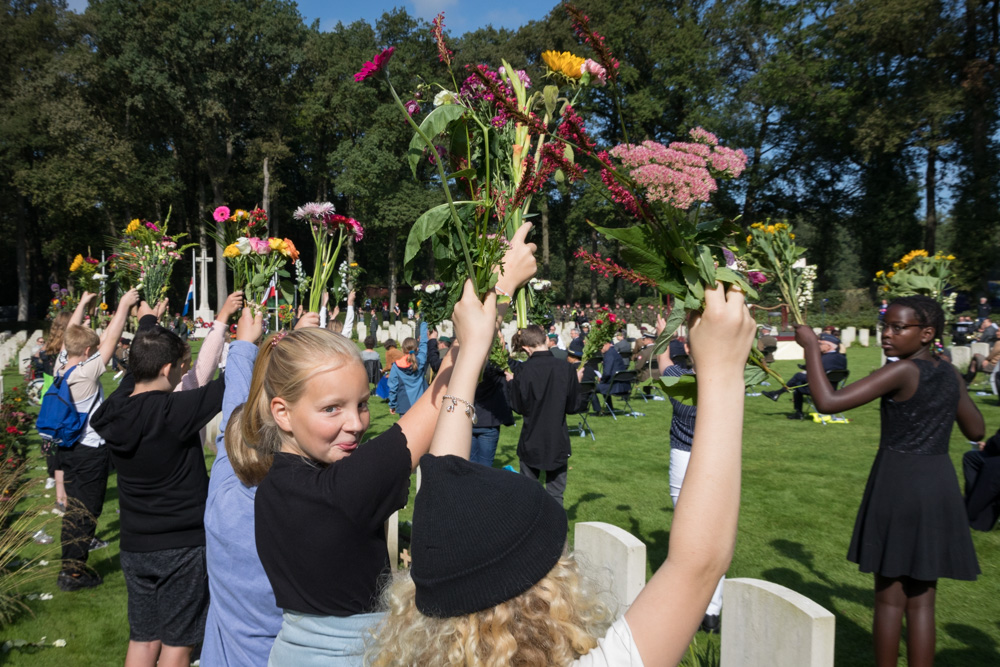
(621, 376)
(587, 390)
(374, 370)
(837, 380)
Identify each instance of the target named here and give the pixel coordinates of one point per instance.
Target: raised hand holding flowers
(326, 225)
(144, 257)
(920, 273)
(773, 252)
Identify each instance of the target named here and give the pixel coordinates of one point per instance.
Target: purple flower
(730, 257)
(64, 291)
(54, 287)
(412, 107)
(756, 278)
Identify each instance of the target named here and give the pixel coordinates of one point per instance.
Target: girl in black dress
(911, 527)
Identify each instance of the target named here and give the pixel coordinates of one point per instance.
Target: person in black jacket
(612, 363)
(832, 359)
(981, 468)
(493, 411)
(544, 390)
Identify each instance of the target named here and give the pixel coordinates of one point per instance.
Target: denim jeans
(484, 444)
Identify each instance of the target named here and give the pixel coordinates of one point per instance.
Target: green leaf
(465, 173)
(706, 265)
(433, 125)
(426, 226)
(708, 226)
(674, 321)
(682, 254)
(683, 388)
(550, 94)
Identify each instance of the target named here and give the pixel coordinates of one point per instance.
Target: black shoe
(797, 415)
(711, 623)
(78, 581)
(773, 395)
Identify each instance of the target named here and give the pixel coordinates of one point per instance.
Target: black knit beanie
(481, 536)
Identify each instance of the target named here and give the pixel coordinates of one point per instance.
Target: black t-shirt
(319, 529)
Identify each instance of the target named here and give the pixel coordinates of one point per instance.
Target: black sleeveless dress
(912, 520)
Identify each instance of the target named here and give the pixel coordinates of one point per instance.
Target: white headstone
(21, 336)
(863, 335)
(632, 331)
(447, 329)
(381, 335)
(980, 348)
(768, 625)
(603, 549)
(848, 336)
(24, 357)
(788, 350)
(961, 356)
(362, 331)
(392, 539)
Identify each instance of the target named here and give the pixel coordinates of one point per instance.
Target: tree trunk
(543, 209)
(392, 269)
(23, 280)
(266, 202)
(930, 184)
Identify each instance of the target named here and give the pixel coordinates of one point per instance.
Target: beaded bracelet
(470, 410)
(496, 288)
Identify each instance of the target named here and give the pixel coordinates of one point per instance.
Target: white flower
(417, 288)
(243, 245)
(100, 276)
(430, 289)
(444, 97)
(538, 287)
(45, 596)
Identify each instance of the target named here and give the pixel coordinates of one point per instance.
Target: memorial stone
(961, 356)
(980, 348)
(603, 549)
(863, 335)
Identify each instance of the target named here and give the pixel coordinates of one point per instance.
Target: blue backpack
(59, 423)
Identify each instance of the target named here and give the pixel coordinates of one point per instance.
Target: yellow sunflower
(77, 263)
(132, 226)
(564, 62)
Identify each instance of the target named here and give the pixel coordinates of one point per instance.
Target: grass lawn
(802, 485)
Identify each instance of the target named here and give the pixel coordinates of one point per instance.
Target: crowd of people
(279, 556)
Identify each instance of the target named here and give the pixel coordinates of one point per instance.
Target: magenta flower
(374, 66)
(412, 107)
(150, 225)
(756, 278)
(221, 214)
(598, 75)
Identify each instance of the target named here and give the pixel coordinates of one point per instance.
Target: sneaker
(773, 395)
(59, 509)
(711, 623)
(77, 581)
(41, 537)
(797, 415)
(50, 483)
(96, 544)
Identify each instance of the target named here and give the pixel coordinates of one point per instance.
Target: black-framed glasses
(896, 327)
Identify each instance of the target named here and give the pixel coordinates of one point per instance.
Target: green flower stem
(757, 359)
(470, 267)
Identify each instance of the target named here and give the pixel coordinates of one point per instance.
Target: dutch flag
(271, 291)
(190, 297)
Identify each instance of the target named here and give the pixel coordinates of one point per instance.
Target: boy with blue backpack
(64, 421)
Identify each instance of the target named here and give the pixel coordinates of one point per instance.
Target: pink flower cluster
(572, 129)
(581, 25)
(437, 30)
(599, 76)
(604, 266)
(322, 217)
(682, 173)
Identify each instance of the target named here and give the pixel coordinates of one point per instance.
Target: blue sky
(461, 16)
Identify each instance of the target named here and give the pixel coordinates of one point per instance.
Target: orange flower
(293, 253)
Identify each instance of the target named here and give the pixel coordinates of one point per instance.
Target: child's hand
(250, 326)
(307, 320)
(475, 322)
(129, 299)
(230, 306)
(87, 297)
(661, 324)
(161, 307)
(519, 264)
(720, 336)
(805, 336)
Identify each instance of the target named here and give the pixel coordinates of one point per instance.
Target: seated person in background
(983, 364)
(622, 344)
(437, 347)
(987, 332)
(643, 353)
(575, 348)
(613, 363)
(981, 468)
(833, 360)
(557, 352)
(961, 330)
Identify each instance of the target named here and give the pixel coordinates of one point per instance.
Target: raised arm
(969, 419)
(899, 379)
(211, 348)
(81, 308)
(475, 327)
(669, 609)
(349, 317)
(239, 370)
(117, 324)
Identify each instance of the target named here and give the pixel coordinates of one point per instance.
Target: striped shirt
(682, 424)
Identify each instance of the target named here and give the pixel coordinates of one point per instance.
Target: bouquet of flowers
(286, 313)
(540, 312)
(918, 272)
(144, 257)
(775, 255)
(255, 260)
(62, 299)
(15, 425)
(346, 279)
(603, 331)
(326, 225)
(433, 303)
(87, 273)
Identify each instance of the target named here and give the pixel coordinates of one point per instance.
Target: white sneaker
(50, 483)
(41, 537)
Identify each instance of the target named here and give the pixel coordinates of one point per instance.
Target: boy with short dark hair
(153, 436)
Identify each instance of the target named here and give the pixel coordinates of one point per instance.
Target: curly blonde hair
(553, 623)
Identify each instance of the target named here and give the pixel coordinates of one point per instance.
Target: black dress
(912, 520)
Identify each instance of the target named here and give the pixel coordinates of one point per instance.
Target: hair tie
(277, 337)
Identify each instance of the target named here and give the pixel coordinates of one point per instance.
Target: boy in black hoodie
(152, 435)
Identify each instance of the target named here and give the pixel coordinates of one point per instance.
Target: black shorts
(167, 595)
